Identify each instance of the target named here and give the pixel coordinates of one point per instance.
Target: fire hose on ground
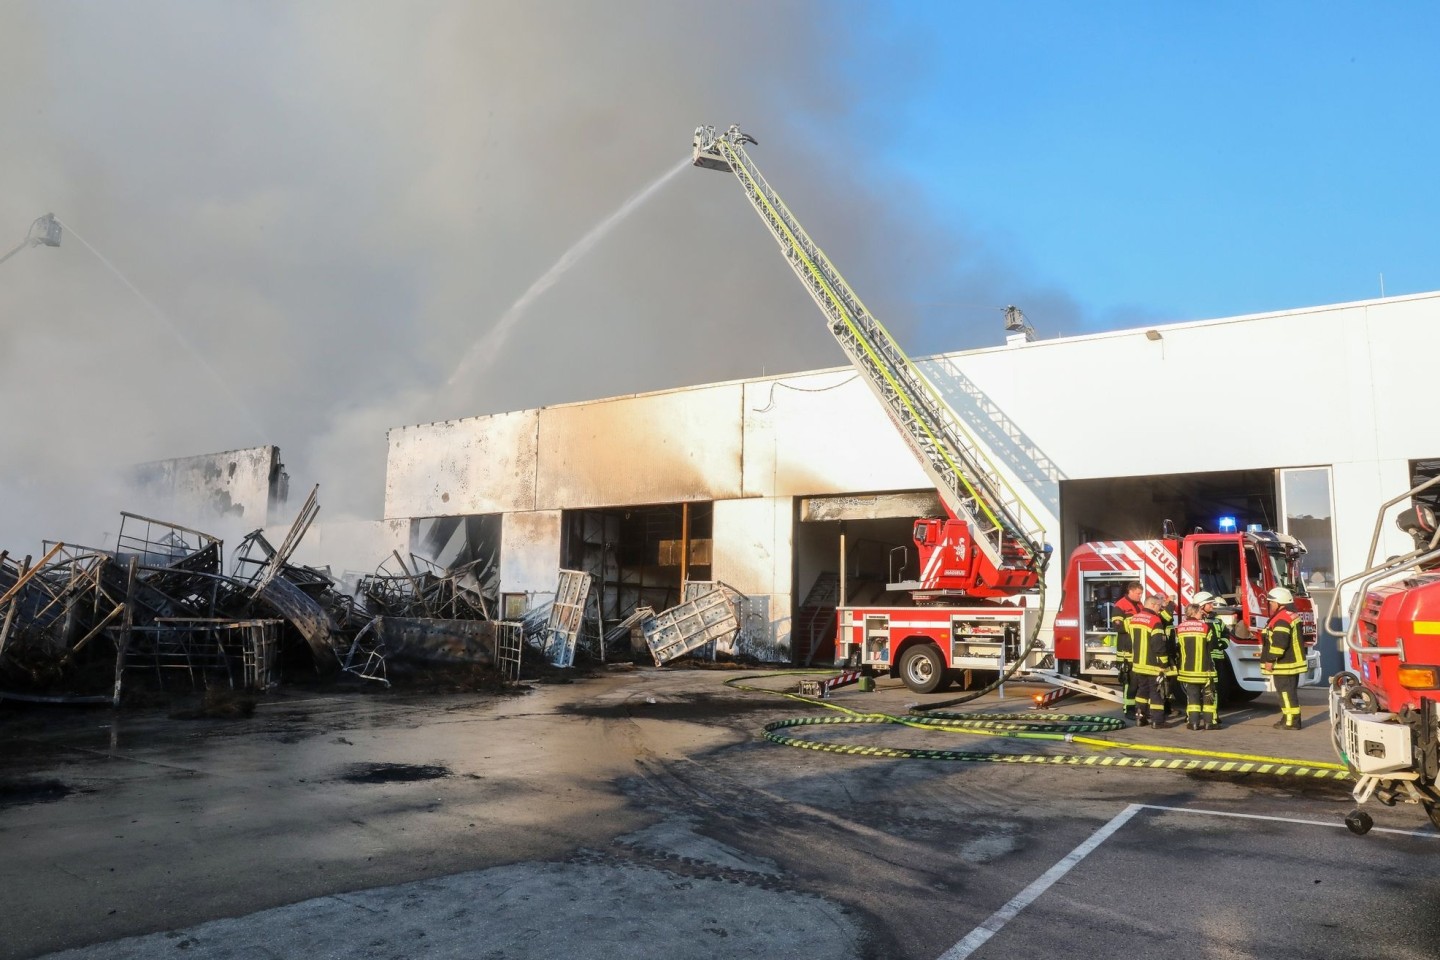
(1035, 727)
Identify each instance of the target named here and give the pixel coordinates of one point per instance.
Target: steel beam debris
(159, 609)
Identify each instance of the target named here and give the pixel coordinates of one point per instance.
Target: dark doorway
(1136, 508)
(638, 555)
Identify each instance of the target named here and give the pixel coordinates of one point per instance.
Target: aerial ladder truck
(980, 563)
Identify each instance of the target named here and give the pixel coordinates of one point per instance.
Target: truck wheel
(1230, 689)
(1432, 810)
(922, 668)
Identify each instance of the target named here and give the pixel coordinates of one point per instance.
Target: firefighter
(1283, 655)
(1150, 659)
(1194, 668)
(1125, 608)
(1219, 642)
(1171, 692)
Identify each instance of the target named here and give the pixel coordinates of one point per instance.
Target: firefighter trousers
(1287, 685)
(1149, 700)
(1200, 706)
(1127, 685)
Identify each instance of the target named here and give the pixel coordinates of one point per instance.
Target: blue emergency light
(1228, 525)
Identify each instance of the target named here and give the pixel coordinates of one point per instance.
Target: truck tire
(922, 668)
(1230, 689)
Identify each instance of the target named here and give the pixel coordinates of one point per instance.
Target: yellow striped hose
(1054, 727)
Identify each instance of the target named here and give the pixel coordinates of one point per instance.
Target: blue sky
(1177, 160)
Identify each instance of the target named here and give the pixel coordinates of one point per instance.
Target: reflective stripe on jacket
(1148, 643)
(1192, 652)
(1284, 647)
(1219, 637)
(1120, 624)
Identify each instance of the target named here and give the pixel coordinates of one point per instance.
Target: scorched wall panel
(530, 552)
(822, 433)
(753, 554)
(459, 467)
(202, 489)
(655, 448)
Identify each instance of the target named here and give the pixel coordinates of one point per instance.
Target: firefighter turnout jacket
(1284, 646)
(1125, 608)
(1149, 644)
(1219, 636)
(1193, 661)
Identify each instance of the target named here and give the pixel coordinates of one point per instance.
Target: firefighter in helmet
(1283, 655)
(1171, 691)
(1125, 608)
(1194, 668)
(1150, 660)
(1218, 640)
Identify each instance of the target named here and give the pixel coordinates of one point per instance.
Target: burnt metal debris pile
(159, 608)
(420, 588)
(80, 623)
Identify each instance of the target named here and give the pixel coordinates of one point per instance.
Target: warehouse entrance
(638, 556)
(847, 548)
(1136, 508)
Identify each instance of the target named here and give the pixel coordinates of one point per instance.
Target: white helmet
(1281, 596)
(1204, 597)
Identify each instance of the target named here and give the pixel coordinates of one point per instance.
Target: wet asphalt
(638, 814)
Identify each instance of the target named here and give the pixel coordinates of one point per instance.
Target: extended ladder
(1003, 527)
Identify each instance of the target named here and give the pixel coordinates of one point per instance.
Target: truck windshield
(1285, 571)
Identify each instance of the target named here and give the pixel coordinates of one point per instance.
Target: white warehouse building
(1302, 421)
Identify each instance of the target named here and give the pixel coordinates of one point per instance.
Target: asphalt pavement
(638, 814)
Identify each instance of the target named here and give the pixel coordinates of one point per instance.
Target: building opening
(638, 556)
(1136, 508)
(847, 548)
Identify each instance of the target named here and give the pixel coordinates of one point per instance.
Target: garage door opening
(874, 535)
(1136, 508)
(638, 556)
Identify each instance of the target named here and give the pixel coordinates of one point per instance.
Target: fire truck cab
(1240, 568)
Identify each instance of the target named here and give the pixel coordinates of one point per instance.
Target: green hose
(1054, 727)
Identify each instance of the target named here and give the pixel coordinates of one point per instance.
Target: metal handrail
(1374, 573)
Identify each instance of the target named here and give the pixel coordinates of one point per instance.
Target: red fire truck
(1239, 568)
(1385, 707)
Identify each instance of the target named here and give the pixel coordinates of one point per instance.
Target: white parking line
(977, 937)
(1427, 834)
(993, 923)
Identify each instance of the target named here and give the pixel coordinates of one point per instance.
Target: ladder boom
(1005, 529)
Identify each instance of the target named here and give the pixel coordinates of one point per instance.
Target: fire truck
(1239, 568)
(1385, 707)
(976, 590)
(979, 563)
